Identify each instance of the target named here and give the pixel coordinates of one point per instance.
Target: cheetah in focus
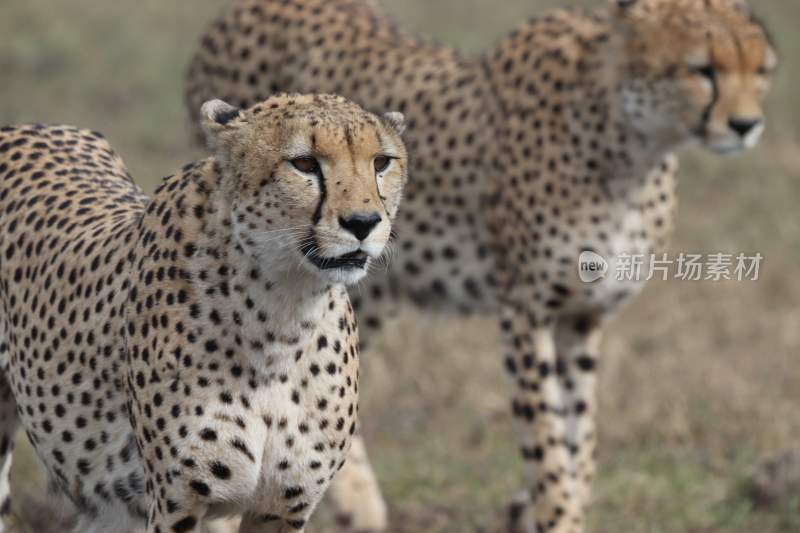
(192, 355)
(557, 141)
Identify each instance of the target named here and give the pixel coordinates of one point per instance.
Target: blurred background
(700, 382)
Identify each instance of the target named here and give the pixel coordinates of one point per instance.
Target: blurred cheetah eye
(307, 165)
(706, 71)
(381, 163)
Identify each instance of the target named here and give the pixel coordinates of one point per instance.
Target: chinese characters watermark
(593, 267)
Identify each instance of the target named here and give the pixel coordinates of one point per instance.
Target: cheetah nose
(743, 126)
(360, 224)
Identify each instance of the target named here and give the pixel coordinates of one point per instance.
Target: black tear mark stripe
(381, 143)
(323, 196)
(714, 97)
(710, 108)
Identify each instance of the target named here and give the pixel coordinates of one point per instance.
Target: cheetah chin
(346, 268)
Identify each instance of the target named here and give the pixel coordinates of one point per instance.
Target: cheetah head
(310, 181)
(695, 70)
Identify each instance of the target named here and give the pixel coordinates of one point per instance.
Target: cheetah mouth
(355, 260)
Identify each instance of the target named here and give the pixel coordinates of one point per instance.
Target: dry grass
(699, 380)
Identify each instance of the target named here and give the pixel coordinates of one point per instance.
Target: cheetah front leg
(578, 346)
(553, 503)
(355, 493)
(8, 428)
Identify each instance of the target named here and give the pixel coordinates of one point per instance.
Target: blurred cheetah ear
(743, 7)
(396, 121)
(216, 117)
(624, 14)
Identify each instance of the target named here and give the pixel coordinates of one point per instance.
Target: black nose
(743, 126)
(360, 224)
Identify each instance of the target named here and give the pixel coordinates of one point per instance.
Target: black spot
(515, 511)
(220, 470)
(186, 524)
(208, 434)
(586, 363)
(200, 488)
(293, 492)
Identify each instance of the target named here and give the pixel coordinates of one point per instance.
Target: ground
(699, 380)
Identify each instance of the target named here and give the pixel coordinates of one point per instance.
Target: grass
(699, 380)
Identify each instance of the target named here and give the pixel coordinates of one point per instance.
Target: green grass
(699, 381)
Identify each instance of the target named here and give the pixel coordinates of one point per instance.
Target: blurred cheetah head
(695, 69)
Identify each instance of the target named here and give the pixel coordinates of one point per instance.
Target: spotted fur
(557, 141)
(193, 354)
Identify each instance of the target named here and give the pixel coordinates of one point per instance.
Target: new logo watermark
(593, 267)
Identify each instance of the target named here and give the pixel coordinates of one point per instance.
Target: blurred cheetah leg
(553, 504)
(8, 427)
(578, 345)
(356, 495)
(271, 524)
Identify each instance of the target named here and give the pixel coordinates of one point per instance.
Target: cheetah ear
(396, 121)
(622, 5)
(216, 117)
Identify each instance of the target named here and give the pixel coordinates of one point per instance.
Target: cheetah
(557, 141)
(192, 355)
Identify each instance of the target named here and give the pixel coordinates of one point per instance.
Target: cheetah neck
(570, 96)
(624, 151)
(270, 309)
(633, 145)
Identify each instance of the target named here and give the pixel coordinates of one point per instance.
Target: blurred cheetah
(556, 142)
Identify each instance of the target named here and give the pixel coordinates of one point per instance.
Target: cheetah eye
(706, 71)
(764, 71)
(307, 165)
(382, 163)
